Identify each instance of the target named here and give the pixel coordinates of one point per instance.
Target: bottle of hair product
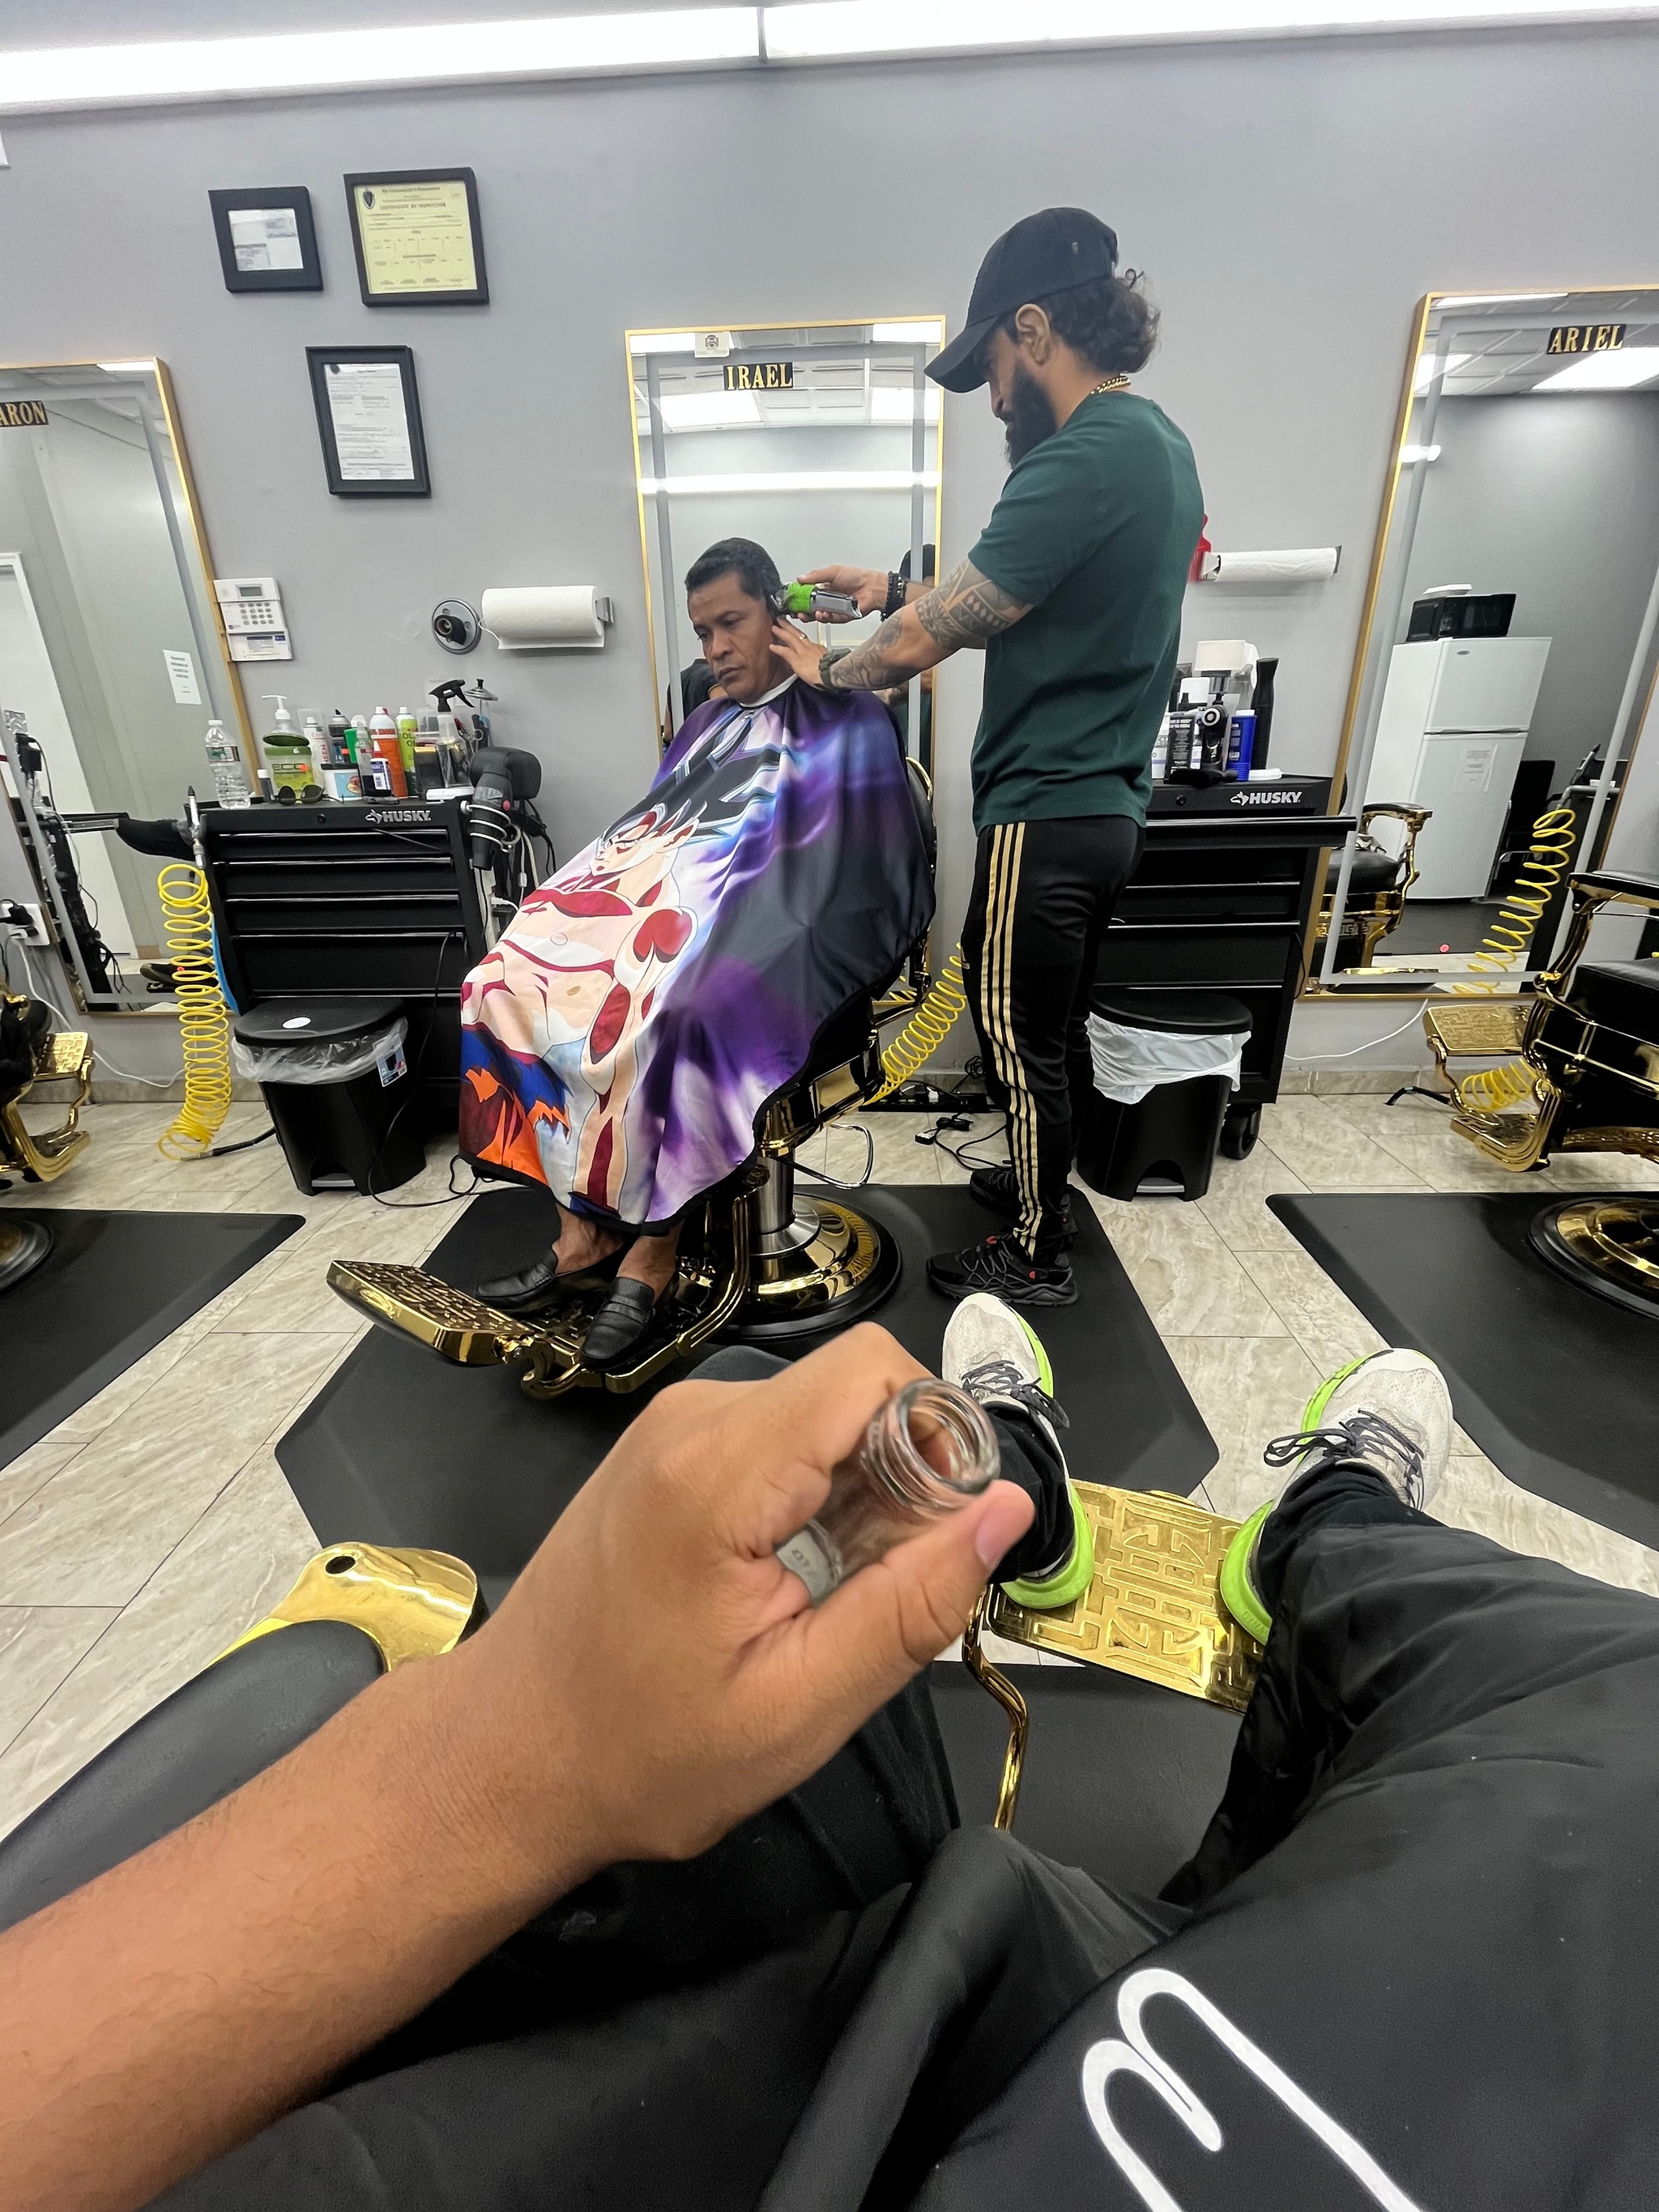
(386, 762)
(408, 729)
(316, 745)
(287, 755)
(357, 745)
(1161, 750)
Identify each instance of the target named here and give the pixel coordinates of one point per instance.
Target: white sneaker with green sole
(996, 1356)
(1390, 1409)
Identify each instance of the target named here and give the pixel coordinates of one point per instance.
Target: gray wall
(1291, 202)
(1557, 500)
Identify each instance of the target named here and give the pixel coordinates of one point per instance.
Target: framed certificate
(368, 415)
(267, 242)
(418, 238)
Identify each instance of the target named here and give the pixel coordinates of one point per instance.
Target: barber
(1075, 595)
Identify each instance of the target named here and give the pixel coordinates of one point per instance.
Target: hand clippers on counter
(812, 603)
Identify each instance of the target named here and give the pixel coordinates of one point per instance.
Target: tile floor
(140, 1536)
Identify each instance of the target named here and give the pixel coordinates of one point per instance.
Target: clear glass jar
(926, 1452)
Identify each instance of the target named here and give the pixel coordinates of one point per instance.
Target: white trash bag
(1130, 1062)
(338, 1059)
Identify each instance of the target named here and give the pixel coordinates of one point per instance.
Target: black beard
(1031, 417)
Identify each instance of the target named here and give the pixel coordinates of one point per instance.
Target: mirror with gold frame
(1505, 665)
(819, 440)
(113, 662)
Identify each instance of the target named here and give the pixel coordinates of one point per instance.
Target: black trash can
(339, 1132)
(1169, 1137)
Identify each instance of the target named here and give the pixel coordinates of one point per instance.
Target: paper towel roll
(528, 617)
(1310, 564)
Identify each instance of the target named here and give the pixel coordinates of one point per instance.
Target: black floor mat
(1559, 1386)
(402, 1448)
(112, 1287)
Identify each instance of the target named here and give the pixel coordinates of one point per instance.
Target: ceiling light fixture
(711, 411)
(1605, 371)
(930, 333)
(126, 367)
(893, 404)
(43, 77)
(795, 480)
(1410, 453)
(1499, 299)
(661, 341)
(828, 30)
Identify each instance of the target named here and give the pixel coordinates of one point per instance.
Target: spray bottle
(385, 760)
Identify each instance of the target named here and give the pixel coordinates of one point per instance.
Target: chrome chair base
(832, 1267)
(1608, 1245)
(23, 1245)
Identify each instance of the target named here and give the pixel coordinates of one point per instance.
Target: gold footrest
(1152, 1609)
(459, 1327)
(410, 1604)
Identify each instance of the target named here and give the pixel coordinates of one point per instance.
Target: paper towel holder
(456, 625)
(595, 607)
(1220, 568)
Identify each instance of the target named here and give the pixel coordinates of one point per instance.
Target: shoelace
(1361, 1435)
(1000, 1378)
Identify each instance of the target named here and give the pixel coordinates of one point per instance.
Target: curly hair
(751, 564)
(1110, 322)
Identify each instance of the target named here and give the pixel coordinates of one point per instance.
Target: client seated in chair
(647, 1003)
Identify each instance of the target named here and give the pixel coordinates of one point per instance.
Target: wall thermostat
(251, 608)
(456, 626)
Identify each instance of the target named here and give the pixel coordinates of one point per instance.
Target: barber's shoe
(619, 1324)
(540, 1284)
(997, 1188)
(999, 1360)
(1000, 1265)
(1390, 1409)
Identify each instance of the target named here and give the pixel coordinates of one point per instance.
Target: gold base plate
(1611, 1245)
(843, 1267)
(1153, 1608)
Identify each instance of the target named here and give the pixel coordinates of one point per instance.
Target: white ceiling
(1507, 341)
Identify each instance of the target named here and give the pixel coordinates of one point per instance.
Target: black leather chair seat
(1371, 873)
(1623, 993)
(220, 1729)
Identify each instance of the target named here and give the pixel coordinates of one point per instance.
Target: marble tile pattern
(141, 1536)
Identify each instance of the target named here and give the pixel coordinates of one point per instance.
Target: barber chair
(31, 1053)
(1124, 1777)
(1377, 884)
(1586, 1081)
(357, 1611)
(758, 1262)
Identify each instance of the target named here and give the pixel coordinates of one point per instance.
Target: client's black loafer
(541, 1283)
(619, 1324)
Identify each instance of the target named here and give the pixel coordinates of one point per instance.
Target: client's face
(735, 633)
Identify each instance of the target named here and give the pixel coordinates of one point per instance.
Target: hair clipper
(811, 603)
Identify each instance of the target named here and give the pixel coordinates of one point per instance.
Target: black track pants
(1043, 894)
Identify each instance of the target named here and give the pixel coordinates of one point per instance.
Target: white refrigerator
(1456, 715)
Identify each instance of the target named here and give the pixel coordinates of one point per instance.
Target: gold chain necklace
(1111, 384)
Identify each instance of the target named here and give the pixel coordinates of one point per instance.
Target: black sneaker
(997, 1188)
(1001, 1267)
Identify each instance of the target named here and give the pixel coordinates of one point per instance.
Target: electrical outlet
(15, 913)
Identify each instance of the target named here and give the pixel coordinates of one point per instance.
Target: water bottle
(229, 776)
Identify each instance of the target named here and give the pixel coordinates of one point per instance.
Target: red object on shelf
(1196, 573)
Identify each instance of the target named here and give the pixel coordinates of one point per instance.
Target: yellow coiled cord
(204, 1017)
(1548, 858)
(925, 1030)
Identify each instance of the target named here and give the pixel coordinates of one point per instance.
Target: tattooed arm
(966, 610)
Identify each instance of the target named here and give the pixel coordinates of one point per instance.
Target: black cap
(1053, 251)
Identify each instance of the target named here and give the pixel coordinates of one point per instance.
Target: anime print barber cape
(644, 1004)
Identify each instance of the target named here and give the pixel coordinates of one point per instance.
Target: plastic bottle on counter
(316, 745)
(1241, 742)
(230, 776)
(357, 744)
(408, 730)
(287, 756)
(385, 760)
(1161, 750)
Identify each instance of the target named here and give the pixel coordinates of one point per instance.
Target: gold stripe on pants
(996, 1014)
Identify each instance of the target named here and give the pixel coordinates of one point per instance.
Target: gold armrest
(1153, 1609)
(410, 1604)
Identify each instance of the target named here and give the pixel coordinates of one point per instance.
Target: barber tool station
(350, 920)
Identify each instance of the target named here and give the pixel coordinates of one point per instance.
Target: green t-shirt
(1095, 533)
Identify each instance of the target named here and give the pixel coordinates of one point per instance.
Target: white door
(1466, 780)
(1486, 683)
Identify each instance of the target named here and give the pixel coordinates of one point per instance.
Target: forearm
(900, 649)
(171, 2008)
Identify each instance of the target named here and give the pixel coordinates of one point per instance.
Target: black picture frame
(308, 277)
(479, 295)
(419, 485)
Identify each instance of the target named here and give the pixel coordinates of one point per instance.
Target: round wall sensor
(455, 625)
